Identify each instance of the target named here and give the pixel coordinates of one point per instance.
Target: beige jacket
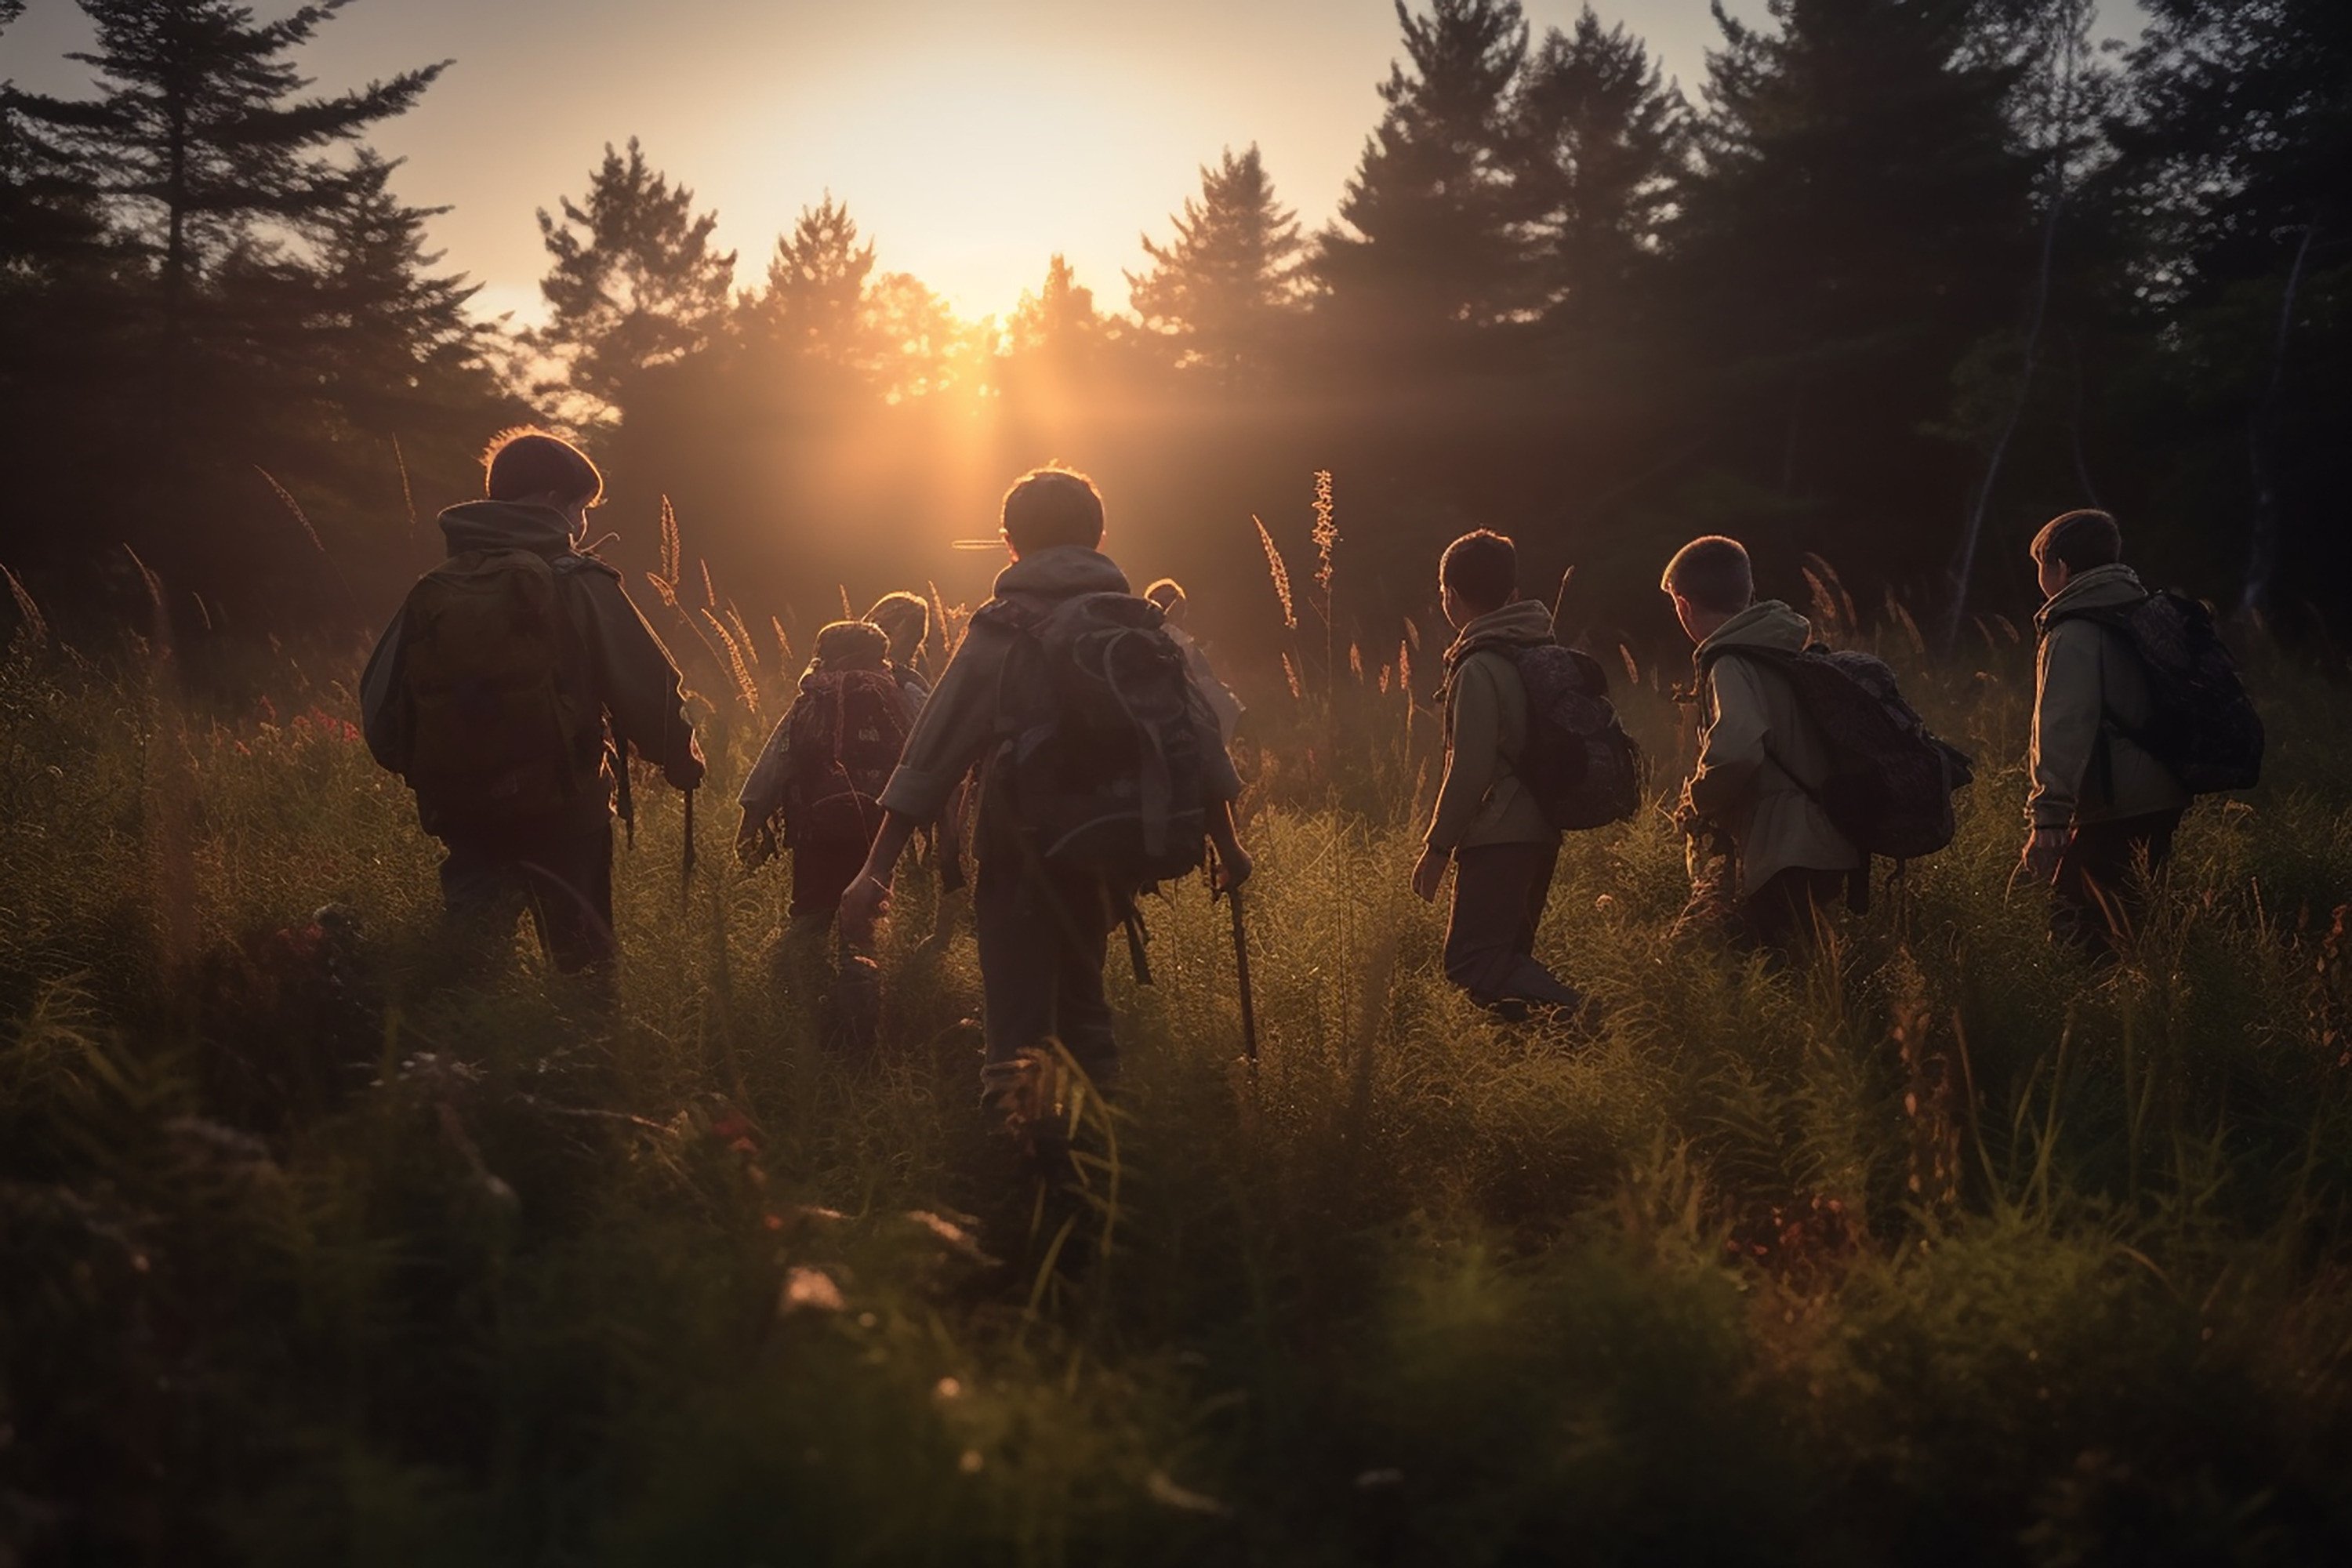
(1755, 745)
(2089, 688)
(1482, 800)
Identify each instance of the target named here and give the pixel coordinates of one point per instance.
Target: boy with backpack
(1103, 775)
(2137, 708)
(819, 780)
(1169, 595)
(1763, 762)
(508, 692)
(906, 620)
(1497, 820)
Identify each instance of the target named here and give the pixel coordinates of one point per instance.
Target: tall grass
(1942, 1248)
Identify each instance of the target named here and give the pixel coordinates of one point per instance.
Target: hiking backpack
(844, 735)
(2204, 728)
(1891, 780)
(1579, 764)
(492, 733)
(1101, 763)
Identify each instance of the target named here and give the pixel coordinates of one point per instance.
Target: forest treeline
(1895, 281)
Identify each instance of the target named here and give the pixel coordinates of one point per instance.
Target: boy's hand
(866, 900)
(1429, 874)
(2044, 847)
(755, 846)
(1233, 867)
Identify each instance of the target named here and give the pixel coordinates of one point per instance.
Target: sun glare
(971, 171)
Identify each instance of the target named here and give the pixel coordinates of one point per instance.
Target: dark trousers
(1499, 893)
(2098, 899)
(822, 872)
(1787, 912)
(838, 975)
(1042, 938)
(560, 871)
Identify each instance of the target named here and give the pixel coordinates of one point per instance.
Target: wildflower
(812, 1289)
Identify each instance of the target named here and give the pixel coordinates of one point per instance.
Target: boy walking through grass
(1488, 822)
(1762, 761)
(508, 692)
(2102, 811)
(1176, 606)
(817, 785)
(1074, 818)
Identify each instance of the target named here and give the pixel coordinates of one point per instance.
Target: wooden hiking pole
(1241, 969)
(686, 854)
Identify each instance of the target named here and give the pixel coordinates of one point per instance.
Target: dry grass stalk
(35, 626)
(1280, 574)
(745, 686)
(291, 505)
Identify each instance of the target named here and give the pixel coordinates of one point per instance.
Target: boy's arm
(381, 716)
(2068, 708)
(638, 681)
(1731, 754)
(762, 796)
(952, 733)
(1473, 756)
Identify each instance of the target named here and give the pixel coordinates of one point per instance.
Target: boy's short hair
(1481, 567)
(525, 462)
(1713, 574)
(1051, 506)
(852, 645)
(2081, 539)
(1169, 595)
(900, 612)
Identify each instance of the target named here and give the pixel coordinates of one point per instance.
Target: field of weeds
(1942, 1249)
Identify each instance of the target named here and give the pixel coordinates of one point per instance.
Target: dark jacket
(630, 684)
(960, 723)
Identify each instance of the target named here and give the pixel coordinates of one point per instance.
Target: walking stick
(686, 855)
(1241, 968)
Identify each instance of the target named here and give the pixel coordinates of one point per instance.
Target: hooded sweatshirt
(614, 657)
(960, 723)
(1761, 758)
(1482, 800)
(2088, 689)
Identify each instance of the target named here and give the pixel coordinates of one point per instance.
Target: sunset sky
(969, 138)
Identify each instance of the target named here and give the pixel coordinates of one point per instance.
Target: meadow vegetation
(1941, 1248)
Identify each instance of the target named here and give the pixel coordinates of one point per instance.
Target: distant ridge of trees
(1899, 278)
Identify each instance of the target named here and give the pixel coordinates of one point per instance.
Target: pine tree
(817, 287)
(635, 283)
(1430, 234)
(199, 136)
(2235, 149)
(1219, 292)
(1059, 320)
(1601, 142)
(398, 335)
(1859, 218)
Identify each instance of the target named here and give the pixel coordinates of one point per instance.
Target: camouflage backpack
(2205, 727)
(1101, 764)
(844, 735)
(493, 735)
(1891, 780)
(1581, 766)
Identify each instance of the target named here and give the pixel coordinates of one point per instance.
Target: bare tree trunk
(2263, 551)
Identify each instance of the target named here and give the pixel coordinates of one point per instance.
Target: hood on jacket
(506, 525)
(1768, 623)
(1062, 572)
(1522, 622)
(2097, 588)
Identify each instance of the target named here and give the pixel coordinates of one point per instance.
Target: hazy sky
(969, 138)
